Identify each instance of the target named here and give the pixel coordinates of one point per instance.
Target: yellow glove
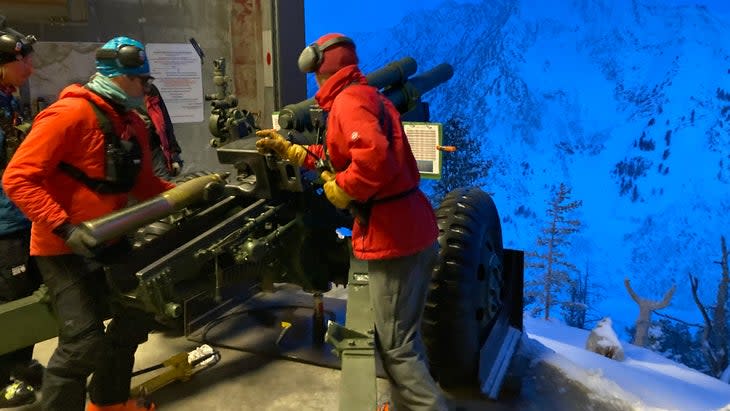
(327, 176)
(273, 141)
(337, 196)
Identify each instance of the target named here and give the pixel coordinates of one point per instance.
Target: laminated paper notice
(177, 71)
(423, 138)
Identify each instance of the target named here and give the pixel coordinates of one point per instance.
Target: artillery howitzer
(216, 239)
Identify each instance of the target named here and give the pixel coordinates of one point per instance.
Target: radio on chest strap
(122, 163)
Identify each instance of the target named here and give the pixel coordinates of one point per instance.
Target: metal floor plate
(277, 324)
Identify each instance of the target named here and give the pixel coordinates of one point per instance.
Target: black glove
(77, 238)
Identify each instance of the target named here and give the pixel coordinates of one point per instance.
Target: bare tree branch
(694, 282)
(679, 320)
(633, 294)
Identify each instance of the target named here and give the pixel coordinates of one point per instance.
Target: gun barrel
(124, 221)
(393, 73)
(393, 78)
(296, 116)
(406, 96)
(428, 80)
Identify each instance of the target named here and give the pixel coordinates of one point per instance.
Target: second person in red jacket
(396, 234)
(85, 155)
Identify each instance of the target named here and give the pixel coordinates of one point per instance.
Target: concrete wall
(224, 28)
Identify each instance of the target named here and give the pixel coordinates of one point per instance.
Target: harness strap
(106, 126)
(110, 138)
(386, 125)
(95, 184)
(384, 120)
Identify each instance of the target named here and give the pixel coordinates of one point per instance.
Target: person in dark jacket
(85, 155)
(166, 151)
(19, 276)
(373, 164)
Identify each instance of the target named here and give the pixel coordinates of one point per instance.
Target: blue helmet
(122, 56)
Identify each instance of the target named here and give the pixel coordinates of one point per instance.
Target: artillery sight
(227, 122)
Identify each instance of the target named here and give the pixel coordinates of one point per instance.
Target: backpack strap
(101, 186)
(386, 124)
(106, 125)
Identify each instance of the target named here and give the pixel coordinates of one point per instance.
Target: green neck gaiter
(106, 88)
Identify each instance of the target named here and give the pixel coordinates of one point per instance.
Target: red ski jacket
(369, 150)
(68, 131)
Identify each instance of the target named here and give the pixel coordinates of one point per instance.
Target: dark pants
(81, 300)
(19, 277)
(398, 289)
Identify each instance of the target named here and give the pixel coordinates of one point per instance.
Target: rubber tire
(466, 286)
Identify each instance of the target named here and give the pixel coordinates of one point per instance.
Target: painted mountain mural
(626, 102)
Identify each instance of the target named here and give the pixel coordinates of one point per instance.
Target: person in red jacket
(395, 229)
(85, 155)
(166, 159)
(19, 276)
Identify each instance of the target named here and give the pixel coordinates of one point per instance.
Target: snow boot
(30, 373)
(16, 394)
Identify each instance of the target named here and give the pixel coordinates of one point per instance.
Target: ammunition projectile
(127, 220)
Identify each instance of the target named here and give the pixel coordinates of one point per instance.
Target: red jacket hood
(344, 78)
(78, 90)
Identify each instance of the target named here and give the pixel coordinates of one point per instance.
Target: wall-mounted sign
(178, 74)
(424, 138)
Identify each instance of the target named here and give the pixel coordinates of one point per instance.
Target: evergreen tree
(463, 168)
(550, 259)
(581, 296)
(574, 310)
(675, 339)
(677, 342)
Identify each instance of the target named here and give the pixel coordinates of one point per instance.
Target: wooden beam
(43, 11)
(33, 2)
